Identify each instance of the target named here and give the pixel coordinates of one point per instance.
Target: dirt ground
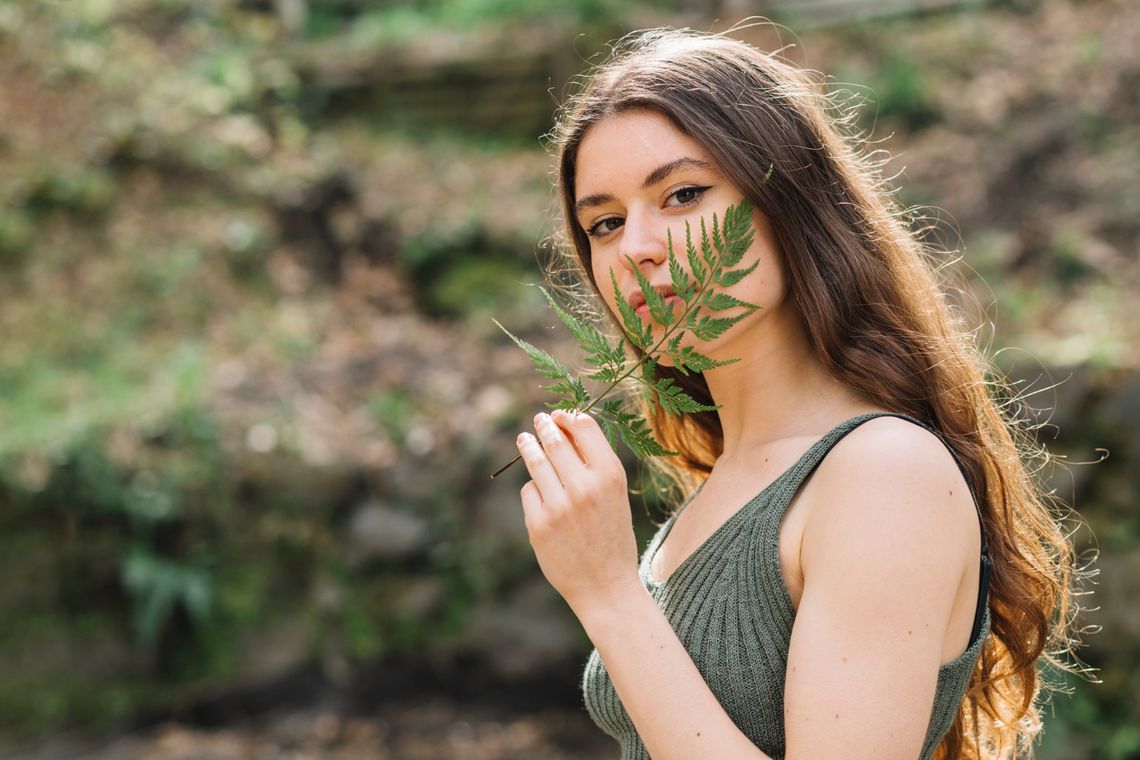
(426, 729)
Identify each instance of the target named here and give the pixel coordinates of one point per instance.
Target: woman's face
(637, 180)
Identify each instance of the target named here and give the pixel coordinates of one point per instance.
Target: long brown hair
(866, 291)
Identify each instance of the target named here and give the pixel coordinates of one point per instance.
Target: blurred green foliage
(463, 273)
(202, 203)
(892, 90)
(403, 20)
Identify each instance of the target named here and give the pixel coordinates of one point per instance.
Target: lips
(637, 300)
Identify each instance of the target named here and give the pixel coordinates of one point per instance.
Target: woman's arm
(878, 588)
(890, 539)
(577, 516)
(674, 710)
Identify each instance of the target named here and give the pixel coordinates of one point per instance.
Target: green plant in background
(118, 521)
(158, 585)
(458, 273)
(476, 286)
(902, 93)
(404, 20)
(148, 511)
(393, 409)
(715, 265)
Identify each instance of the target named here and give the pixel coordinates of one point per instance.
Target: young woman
(825, 591)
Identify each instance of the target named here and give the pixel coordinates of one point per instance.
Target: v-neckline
(700, 547)
(668, 527)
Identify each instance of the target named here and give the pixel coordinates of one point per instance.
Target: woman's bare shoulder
(891, 482)
(884, 448)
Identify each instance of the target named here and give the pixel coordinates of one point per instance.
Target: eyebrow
(655, 176)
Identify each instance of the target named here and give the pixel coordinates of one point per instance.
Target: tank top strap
(794, 478)
(791, 481)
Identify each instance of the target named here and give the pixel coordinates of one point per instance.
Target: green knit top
(729, 606)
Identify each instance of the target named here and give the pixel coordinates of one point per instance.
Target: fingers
(541, 471)
(587, 436)
(559, 449)
(573, 462)
(595, 448)
(532, 504)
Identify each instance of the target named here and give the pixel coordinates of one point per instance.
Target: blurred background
(250, 390)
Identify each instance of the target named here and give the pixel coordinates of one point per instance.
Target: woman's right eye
(603, 227)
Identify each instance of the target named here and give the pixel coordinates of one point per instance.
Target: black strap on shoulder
(983, 597)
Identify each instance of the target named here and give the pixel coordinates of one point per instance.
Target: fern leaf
(607, 417)
(638, 332)
(708, 254)
(683, 285)
(674, 346)
(649, 371)
(730, 277)
(636, 435)
(611, 429)
(723, 302)
(659, 309)
(690, 359)
(713, 264)
(675, 400)
(604, 375)
(718, 242)
(545, 364)
(581, 397)
(708, 328)
(591, 339)
(696, 265)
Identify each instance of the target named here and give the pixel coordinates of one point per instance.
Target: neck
(777, 391)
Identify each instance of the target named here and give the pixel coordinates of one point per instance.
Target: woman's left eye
(686, 196)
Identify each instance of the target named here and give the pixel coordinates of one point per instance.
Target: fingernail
(524, 438)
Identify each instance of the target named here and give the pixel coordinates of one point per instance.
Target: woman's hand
(577, 513)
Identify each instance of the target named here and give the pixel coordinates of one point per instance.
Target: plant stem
(669, 330)
(505, 467)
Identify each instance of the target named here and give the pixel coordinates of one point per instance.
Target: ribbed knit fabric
(729, 606)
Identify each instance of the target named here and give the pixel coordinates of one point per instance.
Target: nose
(643, 240)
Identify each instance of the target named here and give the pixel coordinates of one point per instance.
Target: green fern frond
(713, 264)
